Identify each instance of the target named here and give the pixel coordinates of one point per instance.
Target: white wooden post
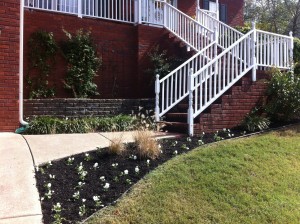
(216, 38)
(79, 14)
(191, 109)
(291, 52)
(253, 50)
(138, 11)
(157, 91)
(165, 13)
(217, 10)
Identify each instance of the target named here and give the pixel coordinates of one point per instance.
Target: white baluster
(291, 52)
(253, 56)
(191, 109)
(79, 9)
(157, 92)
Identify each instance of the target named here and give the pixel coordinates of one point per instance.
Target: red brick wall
(9, 64)
(235, 11)
(188, 6)
(116, 44)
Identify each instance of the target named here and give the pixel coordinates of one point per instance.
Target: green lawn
(252, 180)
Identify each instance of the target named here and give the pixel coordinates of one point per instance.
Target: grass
(253, 180)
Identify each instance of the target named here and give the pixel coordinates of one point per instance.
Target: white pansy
(137, 169)
(126, 172)
(95, 165)
(102, 178)
(106, 186)
(83, 200)
(49, 185)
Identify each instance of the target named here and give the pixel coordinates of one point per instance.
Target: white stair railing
(217, 76)
(227, 34)
(186, 28)
(173, 88)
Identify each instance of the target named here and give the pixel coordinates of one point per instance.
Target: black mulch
(66, 180)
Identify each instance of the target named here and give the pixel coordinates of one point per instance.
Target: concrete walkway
(19, 198)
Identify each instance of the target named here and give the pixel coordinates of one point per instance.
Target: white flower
(76, 195)
(159, 146)
(102, 178)
(188, 139)
(80, 184)
(96, 165)
(37, 169)
(175, 152)
(50, 163)
(83, 200)
(106, 186)
(148, 161)
(52, 176)
(126, 172)
(224, 129)
(137, 169)
(49, 185)
(96, 198)
(114, 165)
(86, 155)
(134, 157)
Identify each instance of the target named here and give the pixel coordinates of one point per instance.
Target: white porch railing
(116, 10)
(274, 50)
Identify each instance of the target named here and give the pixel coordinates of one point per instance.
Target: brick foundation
(9, 64)
(234, 105)
(76, 108)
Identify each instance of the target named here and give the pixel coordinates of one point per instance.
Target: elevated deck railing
(116, 10)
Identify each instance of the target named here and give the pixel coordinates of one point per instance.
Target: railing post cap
(157, 76)
(291, 33)
(253, 24)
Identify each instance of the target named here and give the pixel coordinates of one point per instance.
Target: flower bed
(73, 188)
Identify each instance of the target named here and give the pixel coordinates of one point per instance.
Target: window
(211, 6)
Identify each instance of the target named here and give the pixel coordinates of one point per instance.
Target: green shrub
(83, 64)
(41, 59)
(296, 50)
(52, 125)
(255, 121)
(283, 96)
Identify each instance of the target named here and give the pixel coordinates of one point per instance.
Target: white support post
(165, 13)
(157, 92)
(191, 109)
(253, 50)
(138, 11)
(291, 52)
(216, 38)
(79, 13)
(217, 10)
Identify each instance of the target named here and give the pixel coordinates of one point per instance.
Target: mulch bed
(66, 180)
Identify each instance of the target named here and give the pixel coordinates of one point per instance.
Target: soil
(65, 183)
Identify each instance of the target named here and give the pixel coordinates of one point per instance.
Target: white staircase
(209, 74)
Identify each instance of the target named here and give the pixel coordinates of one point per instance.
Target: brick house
(199, 31)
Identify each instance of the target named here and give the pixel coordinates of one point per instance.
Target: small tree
(83, 64)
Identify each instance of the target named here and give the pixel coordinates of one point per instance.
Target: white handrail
(217, 76)
(227, 34)
(186, 28)
(273, 50)
(173, 87)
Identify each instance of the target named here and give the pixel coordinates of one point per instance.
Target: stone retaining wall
(76, 108)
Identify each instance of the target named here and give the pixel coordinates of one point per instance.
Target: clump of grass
(116, 146)
(147, 146)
